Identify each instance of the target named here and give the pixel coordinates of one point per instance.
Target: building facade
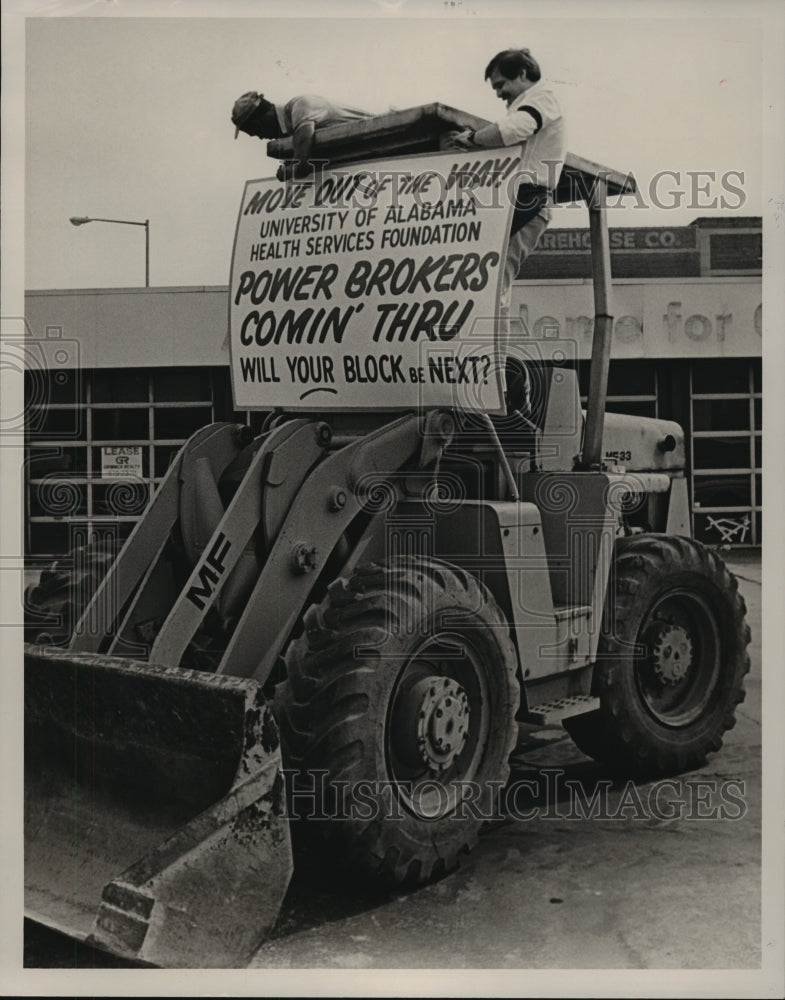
(118, 379)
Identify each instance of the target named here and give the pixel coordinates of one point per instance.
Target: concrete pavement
(637, 889)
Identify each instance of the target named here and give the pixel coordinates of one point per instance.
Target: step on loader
(424, 541)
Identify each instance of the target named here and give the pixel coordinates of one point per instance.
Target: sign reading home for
(373, 288)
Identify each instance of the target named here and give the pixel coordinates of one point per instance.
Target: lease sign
(121, 462)
(373, 286)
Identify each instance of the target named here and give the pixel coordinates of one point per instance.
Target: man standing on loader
(534, 117)
(301, 118)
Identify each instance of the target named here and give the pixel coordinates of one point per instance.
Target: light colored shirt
(318, 110)
(535, 119)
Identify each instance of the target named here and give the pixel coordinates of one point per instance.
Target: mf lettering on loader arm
(210, 572)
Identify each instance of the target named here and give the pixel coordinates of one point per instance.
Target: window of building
(632, 387)
(99, 442)
(725, 440)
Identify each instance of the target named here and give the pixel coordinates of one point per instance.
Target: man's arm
(517, 126)
(488, 136)
(302, 141)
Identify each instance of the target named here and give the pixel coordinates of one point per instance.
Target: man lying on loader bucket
(400, 570)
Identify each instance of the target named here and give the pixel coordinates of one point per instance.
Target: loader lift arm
(301, 538)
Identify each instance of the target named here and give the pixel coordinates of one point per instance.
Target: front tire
(403, 689)
(671, 661)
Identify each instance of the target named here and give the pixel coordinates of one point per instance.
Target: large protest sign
(373, 286)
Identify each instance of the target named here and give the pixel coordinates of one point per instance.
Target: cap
(244, 108)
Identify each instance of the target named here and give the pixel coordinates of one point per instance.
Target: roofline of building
(128, 289)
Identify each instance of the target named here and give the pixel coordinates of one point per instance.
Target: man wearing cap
(534, 117)
(300, 118)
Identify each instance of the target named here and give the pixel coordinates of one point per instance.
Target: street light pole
(146, 253)
(81, 220)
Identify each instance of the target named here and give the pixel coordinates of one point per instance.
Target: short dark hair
(512, 62)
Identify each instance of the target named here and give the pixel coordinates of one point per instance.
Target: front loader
(393, 576)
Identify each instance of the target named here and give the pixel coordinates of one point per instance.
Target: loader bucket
(155, 809)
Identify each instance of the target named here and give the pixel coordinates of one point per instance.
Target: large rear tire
(671, 660)
(402, 689)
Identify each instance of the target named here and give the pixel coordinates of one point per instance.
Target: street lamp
(80, 220)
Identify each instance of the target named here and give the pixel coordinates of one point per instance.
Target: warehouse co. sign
(367, 287)
(565, 240)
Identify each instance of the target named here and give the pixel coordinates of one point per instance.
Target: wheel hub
(441, 710)
(671, 654)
